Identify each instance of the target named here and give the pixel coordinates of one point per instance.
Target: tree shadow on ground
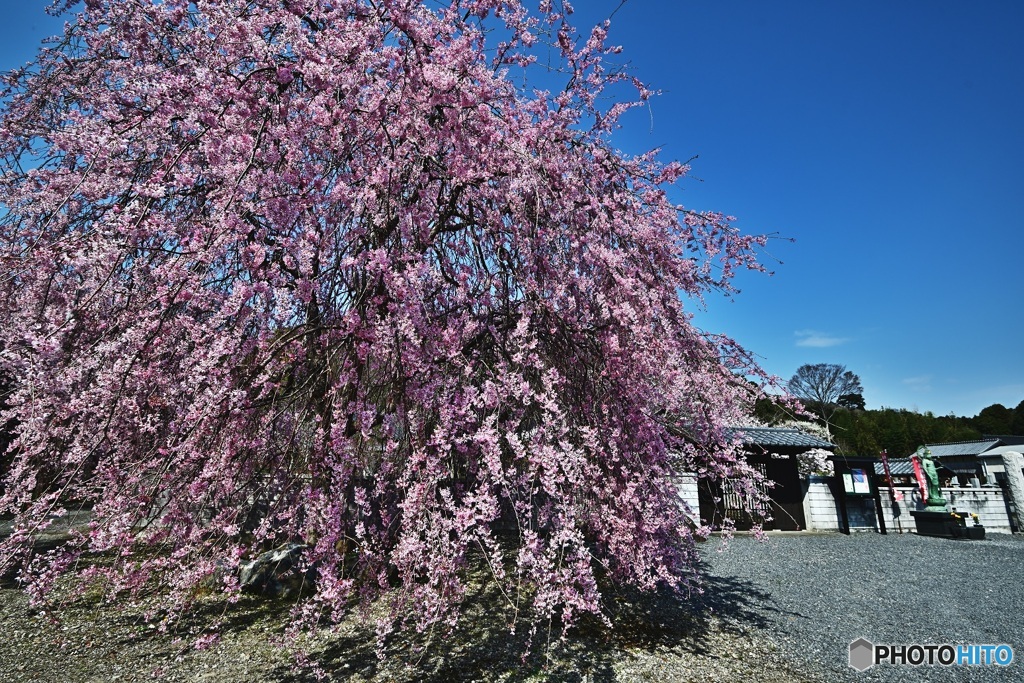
(483, 647)
(172, 630)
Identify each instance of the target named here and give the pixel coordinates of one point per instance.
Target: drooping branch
(327, 276)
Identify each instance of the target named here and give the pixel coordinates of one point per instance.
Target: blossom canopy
(325, 272)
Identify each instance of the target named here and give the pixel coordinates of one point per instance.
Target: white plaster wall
(988, 503)
(822, 514)
(820, 510)
(687, 487)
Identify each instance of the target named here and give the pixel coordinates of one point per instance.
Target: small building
(992, 466)
(774, 452)
(902, 471)
(969, 460)
(858, 497)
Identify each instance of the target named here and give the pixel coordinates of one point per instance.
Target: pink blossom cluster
(325, 272)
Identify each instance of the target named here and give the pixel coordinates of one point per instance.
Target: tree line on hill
(899, 431)
(835, 396)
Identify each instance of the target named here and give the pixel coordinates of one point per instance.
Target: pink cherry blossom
(327, 272)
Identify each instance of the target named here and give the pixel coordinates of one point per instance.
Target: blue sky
(886, 139)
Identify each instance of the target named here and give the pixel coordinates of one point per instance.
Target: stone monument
(1013, 464)
(937, 519)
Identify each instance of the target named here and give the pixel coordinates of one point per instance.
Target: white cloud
(919, 383)
(818, 340)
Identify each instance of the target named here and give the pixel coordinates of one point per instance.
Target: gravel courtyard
(815, 593)
(781, 610)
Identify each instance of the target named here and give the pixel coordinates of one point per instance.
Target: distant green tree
(770, 412)
(855, 432)
(894, 432)
(858, 431)
(952, 428)
(821, 385)
(1018, 420)
(901, 431)
(995, 419)
(852, 401)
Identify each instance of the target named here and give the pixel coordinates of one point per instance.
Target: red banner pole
(919, 475)
(892, 489)
(888, 474)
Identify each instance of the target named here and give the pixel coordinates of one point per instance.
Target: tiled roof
(999, 450)
(900, 467)
(942, 450)
(1008, 439)
(778, 436)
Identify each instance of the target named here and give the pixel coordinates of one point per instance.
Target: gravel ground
(656, 638)
(818, 592)
(783, 610)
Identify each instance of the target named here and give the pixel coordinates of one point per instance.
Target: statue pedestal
(943, 524)
(933, 523)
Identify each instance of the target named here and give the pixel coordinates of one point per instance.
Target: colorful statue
(931, 476)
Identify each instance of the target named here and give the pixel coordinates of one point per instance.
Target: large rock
(274, 572)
